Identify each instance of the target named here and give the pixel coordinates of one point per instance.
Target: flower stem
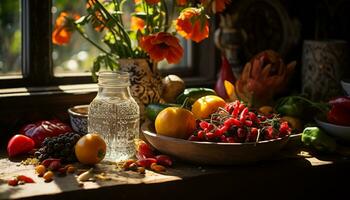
(124, 34)
(92, 42)
(166, 11)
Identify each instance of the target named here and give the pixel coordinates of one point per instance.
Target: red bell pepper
(342, 101)
(340, 111)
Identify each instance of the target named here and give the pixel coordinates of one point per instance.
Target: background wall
(283, 25)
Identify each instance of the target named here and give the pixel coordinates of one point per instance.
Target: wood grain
(185, 180)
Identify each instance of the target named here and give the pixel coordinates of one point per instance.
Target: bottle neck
(112, 91)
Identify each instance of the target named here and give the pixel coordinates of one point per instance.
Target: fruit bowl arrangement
(216, 132)
(213, 153)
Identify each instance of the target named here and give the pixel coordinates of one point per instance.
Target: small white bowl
(346, 86)
(340, 132)
(79, 118)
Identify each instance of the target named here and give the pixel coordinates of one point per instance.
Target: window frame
(37, 64)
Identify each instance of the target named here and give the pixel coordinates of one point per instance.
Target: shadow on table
(7, 192)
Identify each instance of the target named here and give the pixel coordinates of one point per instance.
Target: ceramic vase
(324, 64)
(145, 80)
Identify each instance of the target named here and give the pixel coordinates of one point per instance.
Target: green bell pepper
(300, 107)
(319, 140)
(192, 94)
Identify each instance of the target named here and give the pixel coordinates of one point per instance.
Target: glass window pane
(10, 38)
(78, 55)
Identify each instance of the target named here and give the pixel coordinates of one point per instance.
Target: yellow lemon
(207, 105)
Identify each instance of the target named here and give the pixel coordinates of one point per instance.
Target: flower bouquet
(148, 37)
(151, 32)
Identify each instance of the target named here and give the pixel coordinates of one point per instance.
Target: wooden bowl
(212, 153)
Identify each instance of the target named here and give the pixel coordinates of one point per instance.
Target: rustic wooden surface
(290, 175)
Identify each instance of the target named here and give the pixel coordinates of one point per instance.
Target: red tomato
(19, 144)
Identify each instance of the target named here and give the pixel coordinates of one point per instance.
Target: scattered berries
(40, 170)
(48, 176)
(148, 160)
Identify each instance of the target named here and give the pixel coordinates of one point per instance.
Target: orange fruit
(175, 122)
(207, 105)
(90, 149)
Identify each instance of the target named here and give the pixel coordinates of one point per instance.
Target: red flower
(181, 2)
(62, 31)
(162, 46)
(190, 25)
(152, 1)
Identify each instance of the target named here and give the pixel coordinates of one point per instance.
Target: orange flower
(137, 23)
(137, 1)
(218, 5)
(152, 1)
(162, 46)
(62, 31)
(181, 2)
(189, 25)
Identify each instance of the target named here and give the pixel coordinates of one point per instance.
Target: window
(10, 38)
(27, 51)
(77, 57)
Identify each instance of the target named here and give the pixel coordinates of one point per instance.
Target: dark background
(266, 20)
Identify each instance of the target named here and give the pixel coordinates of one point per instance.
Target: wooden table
(286, 177)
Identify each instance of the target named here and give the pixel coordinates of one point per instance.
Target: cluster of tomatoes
(235, 123)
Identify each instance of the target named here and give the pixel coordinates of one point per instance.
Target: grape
(61, 146)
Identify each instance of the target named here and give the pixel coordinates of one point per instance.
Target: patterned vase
(324, 64)
(145, 80)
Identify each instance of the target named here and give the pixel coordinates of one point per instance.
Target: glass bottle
(115, 115)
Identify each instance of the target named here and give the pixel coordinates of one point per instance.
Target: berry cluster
(237, 124)
(61, 147)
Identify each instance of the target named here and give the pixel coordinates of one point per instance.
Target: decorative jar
(115, 115)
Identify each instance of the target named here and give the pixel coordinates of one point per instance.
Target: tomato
(175, 122)
(19, 144)
(90, 149)
(207, 105)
